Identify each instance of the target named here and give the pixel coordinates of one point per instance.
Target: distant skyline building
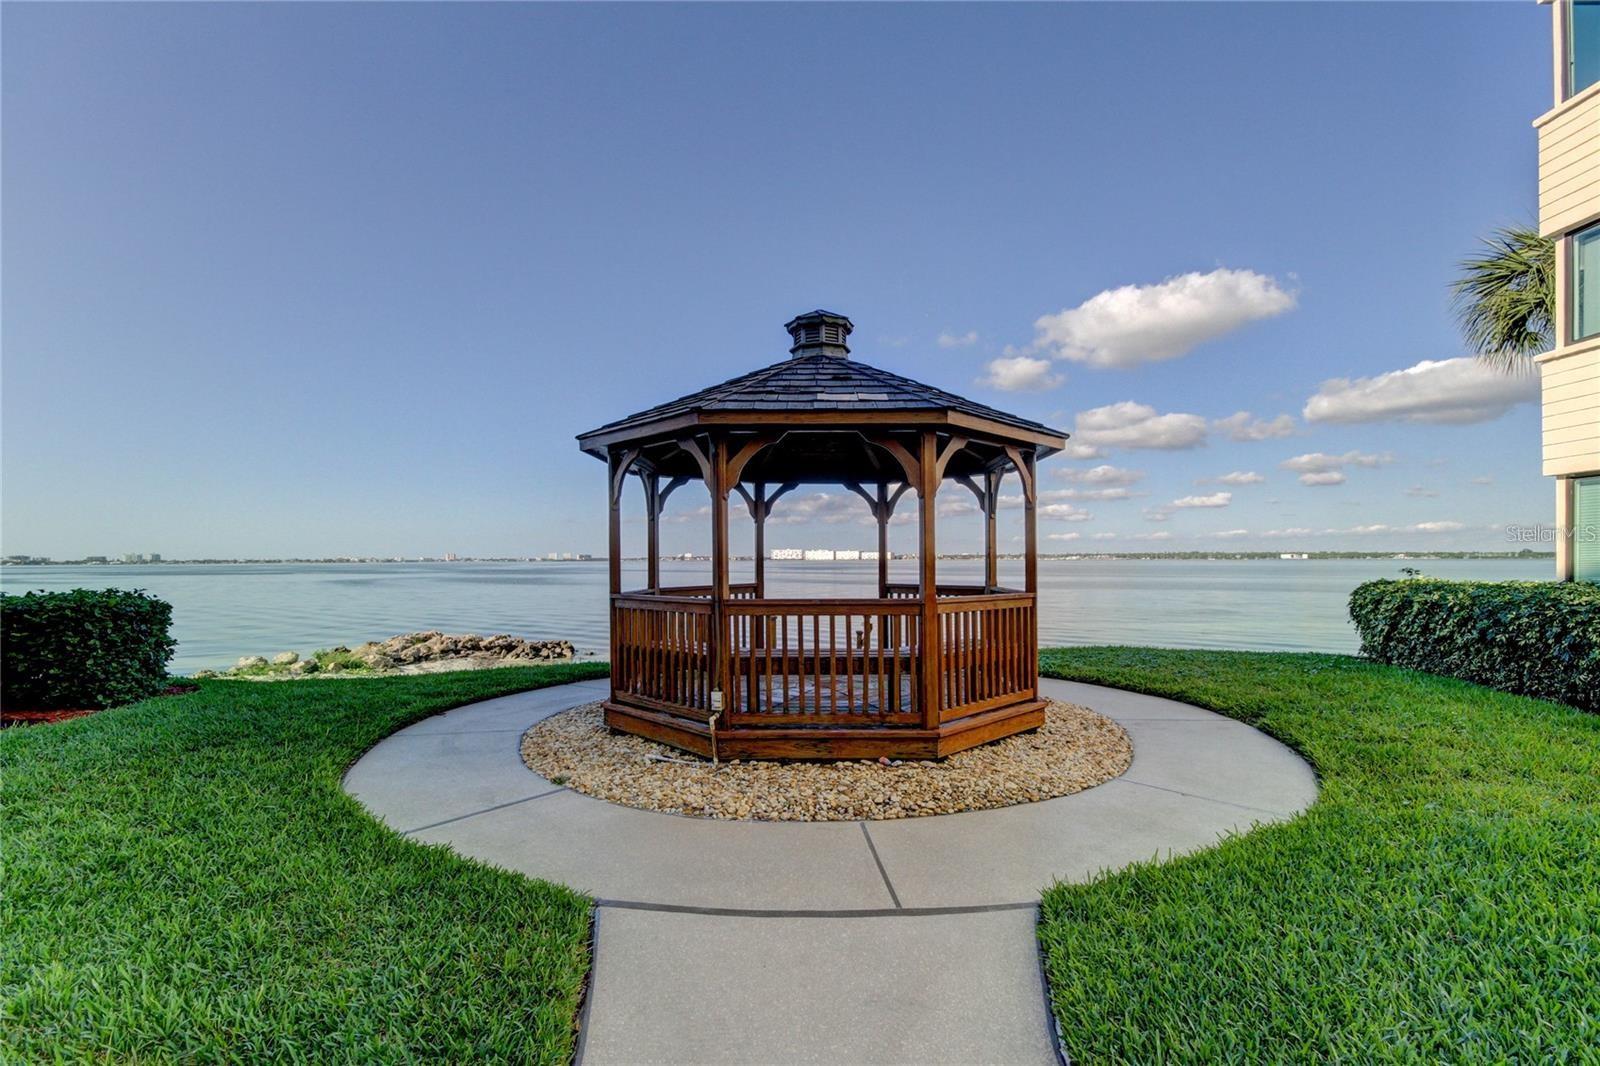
(823, 555)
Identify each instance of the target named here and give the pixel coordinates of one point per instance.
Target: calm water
(223, 612)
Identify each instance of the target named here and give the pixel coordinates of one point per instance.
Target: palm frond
(1505, 298)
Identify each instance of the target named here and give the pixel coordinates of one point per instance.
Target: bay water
(224, 611)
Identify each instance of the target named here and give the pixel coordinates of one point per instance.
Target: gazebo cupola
(819, 333)
(919, 671)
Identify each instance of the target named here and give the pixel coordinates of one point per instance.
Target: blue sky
(314, 280)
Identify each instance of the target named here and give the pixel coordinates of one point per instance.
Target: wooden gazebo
(921, 671)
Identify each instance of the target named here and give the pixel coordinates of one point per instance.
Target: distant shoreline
(1296, 556)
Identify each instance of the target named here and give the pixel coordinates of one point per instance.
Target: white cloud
(1148, 323)
(1114, 492)
(1159, 534)
(1157, 514)
(1244, 426)
(958, 340)
(1324, 461)
(1241, 477)
(1020, 373)
(1079, 450)
(1064, 512)
(1072, 535)
(1293, 531)
(955, 506)
(1419, 527)
(1483, 479)
(1136, 425)
(1103, 536)
(1232, 533)
(1216, 499)
(825, 507)
(1456, 391)
(1320, 468)
(1420, 492)
(1104, 474)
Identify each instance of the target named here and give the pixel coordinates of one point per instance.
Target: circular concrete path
(724, 941)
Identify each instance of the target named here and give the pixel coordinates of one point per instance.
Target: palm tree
(1505, 298)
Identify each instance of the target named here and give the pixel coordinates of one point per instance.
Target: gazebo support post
(617, 466)
(758, 511)
(718, 484)
(991, 546)
(881, 511)
(1030, 516)
(652, 510)
(927, 565)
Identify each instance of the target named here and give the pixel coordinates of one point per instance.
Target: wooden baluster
(772, 642)
(816, 655)
(783, 637)
(833, 666)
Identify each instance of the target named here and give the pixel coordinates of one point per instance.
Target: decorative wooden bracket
(748, 451)
(988, 493)
(655, 494)
(874, 504)
(902, 455)
(777, 494)
(948, 452)
(667, 490)
(619, 473)
(1024, 471)
(698, 454)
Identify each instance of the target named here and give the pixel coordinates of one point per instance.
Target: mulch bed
(1074, 750)
(9, 717)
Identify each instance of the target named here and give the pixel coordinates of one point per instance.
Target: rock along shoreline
(425, 652)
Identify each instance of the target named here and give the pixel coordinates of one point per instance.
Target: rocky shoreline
(407, 653)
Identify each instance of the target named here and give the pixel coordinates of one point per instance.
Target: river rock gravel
(1074, 750)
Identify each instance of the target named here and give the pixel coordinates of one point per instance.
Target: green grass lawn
(1439, 903)
(185, 880)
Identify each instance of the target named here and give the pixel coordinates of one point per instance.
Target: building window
(1583, 45)
(1586, 529)
(1586, 283)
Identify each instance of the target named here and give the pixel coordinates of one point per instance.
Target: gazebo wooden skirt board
(809, 679)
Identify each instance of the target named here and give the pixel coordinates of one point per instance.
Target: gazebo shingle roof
(821, 383)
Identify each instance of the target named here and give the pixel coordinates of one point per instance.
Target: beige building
(1569, 213)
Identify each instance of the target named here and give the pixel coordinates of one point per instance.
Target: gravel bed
(1074, 750)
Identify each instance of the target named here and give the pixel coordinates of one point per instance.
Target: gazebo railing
(661, 652)
(896, 590)
(823, 662)
(987, 652)
(745, 591)
(834, 663)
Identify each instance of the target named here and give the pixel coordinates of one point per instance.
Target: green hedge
(1535, 638)
(83, 649)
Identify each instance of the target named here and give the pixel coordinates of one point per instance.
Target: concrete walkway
(884, 942)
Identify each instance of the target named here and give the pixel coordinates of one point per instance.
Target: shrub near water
(1534, 638)
(84, 648)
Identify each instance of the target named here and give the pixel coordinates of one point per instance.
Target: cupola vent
(819, 333)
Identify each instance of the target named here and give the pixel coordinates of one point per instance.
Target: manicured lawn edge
(1440, 901)
(186, 879)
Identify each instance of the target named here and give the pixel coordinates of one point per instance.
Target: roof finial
(819, 333)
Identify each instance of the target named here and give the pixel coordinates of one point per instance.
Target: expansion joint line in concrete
(486, 810)
(893, 895)
(1197, 796)
(777, 912)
